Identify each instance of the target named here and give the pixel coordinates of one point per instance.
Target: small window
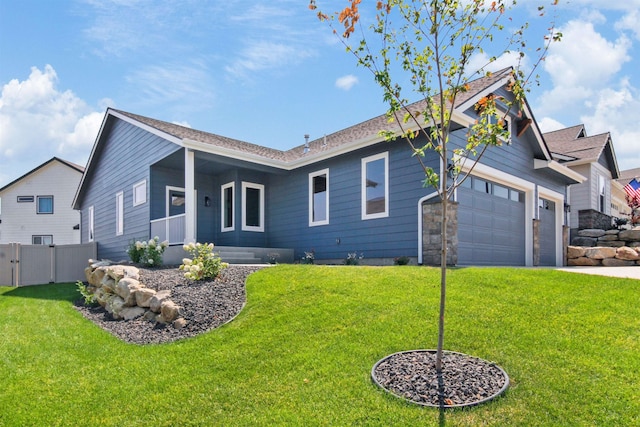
(44, 205)
(227, 203)
(252, 207)
(119, 213)
(25, 199)
(90, 222)
(140, 193)
(375, 186)
(319, 198)
(481, 185)
(42, 240)
(500, 191)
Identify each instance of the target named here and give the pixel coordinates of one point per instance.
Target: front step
(233, 257)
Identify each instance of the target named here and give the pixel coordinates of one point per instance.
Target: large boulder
(583, 261)
(575, 251)
(630, 235)
(615, 262)
(143, 297)
(157, 300)
(108, 284)
(626, 253)
(126, 288)
(591, 232)
(169, 311)
(600, 252)
(130, 313)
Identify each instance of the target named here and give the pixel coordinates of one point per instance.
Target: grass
(301, 352)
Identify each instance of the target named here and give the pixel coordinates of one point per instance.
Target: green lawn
(301, 352)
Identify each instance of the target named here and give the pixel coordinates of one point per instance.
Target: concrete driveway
(625, 272)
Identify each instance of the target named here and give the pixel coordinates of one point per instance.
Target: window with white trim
(90, 223)
(319, 197)
(227, 204)
(375, 186)
(119, 213)
(44, 204)
(140, 193)
(602, 195)
(46, 239)
(252, 207)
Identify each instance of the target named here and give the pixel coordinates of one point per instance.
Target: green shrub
(148, 254)
(401, 260)
(204, 265)
(353, 258)
(88, 296)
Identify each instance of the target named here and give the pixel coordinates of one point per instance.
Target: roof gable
(69, 164)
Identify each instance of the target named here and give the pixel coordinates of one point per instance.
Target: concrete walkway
(625, 272)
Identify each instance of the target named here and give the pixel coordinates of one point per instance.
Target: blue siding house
(346, 192)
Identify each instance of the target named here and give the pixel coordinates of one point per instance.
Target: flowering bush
(204, 265)
(309, 257)
(353, 258)
(149, 254)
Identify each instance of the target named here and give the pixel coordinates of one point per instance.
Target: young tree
(432, 46)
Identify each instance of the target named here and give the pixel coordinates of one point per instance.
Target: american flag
(633, 189)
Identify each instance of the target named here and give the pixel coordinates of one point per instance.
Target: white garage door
(491, 224)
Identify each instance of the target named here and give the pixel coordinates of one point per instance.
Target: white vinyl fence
(22, 265)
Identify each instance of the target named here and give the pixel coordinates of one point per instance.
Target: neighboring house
(593, 157)
(37, 207)
(347, 192)
(625, 177)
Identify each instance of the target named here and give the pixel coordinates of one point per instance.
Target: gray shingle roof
(574, 143)
(361, 131)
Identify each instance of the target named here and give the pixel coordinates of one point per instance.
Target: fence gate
(22, 265)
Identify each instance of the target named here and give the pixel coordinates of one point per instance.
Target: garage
(491, 224)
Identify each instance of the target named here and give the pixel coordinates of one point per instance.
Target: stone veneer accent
(609, 248)
(431, 238)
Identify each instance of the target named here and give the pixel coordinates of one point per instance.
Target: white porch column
(189, 196)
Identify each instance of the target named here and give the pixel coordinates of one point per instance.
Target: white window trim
(120, 213)
(223, 208)
(90, 224)
(245, 186)
(363, 186)
(169, 189)
(312, 175)
(143, 200)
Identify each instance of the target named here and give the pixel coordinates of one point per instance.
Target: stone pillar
(536, 242)
(431, 233)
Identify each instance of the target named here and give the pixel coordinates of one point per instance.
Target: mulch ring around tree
(468, 380)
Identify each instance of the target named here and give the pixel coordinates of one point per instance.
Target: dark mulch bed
(467, 380)
(205, 305)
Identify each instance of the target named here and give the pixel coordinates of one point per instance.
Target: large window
(119, 213)
(44, 205)
(227, 203)
(375, 186)
(90, 223)
(319, 197)
(252, 207)
(42, 240)
(140, 193)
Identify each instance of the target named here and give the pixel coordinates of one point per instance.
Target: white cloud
(38, 121)
(548, 124)
(346, 82)
(265, 55)
(610, 113)
(630, 22)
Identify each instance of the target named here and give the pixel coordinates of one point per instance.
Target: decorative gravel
(468, 381)
(205, 305)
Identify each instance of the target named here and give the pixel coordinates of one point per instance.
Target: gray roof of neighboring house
(64, 162)
(627, 175)
(360, 131)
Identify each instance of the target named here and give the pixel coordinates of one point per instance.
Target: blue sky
(263, 72)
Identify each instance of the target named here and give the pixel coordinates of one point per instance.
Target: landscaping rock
(575, 251)
(584, 241)
(584, 261)
(143, 297)
(179, 323)
(630, 235)
(626, 253)
(591, 232)
(130, 313)
(170, 311)
(600, 252)
(615, 262)
(156, 301)
(126, 288)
